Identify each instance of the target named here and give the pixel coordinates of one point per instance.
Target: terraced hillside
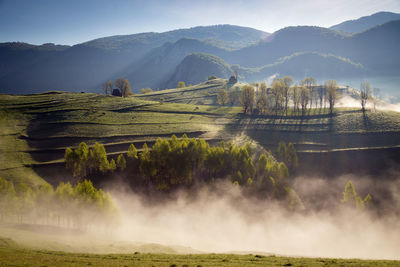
(36, 129)
(203, 93)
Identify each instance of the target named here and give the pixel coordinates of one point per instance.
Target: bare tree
(309, 82)
(365, 94)
(104, 87)
(262, 98)
(124, 86)
(304, 99)
(277, 94)
(376, 95)
(110, 86)
(247, 98)
(332, 94)
(233, 95)
(295, 95)
(321, 91)
(222, 97)
(287, 82)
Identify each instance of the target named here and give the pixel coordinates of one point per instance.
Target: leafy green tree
(64, 195)
(98, 158)
(282, 151)
(132, 152)
(8, 199)
(291, 158)
(26, 200)
(45, 201)
(112, 166)
(146, 166)
(222, 97)
(211, 78)
(181, 84)
(121, 162)
(247, 98)
(367, 200)
(262, 164)
(349, 194)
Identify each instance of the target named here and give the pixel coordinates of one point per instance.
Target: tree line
(256, 98)
(186, 162)
(66, 205)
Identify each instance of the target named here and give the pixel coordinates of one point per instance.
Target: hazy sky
(76, 21)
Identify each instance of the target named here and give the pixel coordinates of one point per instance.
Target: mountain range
(353, 50)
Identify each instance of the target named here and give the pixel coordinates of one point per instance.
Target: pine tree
(121, 162)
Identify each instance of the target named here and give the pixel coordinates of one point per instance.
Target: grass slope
(36, 129)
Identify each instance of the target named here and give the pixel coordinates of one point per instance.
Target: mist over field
(223, 220)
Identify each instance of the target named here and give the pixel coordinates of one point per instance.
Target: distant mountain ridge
(158, 60)
(366, 22)
(85, 66)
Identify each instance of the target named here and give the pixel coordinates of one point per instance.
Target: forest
(79, 206)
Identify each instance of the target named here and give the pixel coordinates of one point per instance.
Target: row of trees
(71, 206)
(255, 98)
(122, 84)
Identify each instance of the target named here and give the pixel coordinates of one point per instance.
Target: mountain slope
(366, 22)
(85, 66)
(287, 41)
(158, 65)
(195, 68)
(301, 65)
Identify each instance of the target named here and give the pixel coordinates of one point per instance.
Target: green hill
(195, 68)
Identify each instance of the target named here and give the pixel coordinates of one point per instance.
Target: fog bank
(223, 220)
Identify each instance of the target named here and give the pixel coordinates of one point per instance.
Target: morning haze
(192, 133)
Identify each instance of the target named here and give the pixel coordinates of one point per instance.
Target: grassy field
(12, 254)
(36, 129)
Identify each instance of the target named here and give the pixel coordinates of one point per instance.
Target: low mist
(223, 220)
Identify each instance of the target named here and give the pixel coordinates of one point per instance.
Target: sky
(76, 21)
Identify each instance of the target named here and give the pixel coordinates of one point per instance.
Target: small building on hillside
(116, 92)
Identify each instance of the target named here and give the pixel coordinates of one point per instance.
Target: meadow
(36, 129)
(13, 254)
